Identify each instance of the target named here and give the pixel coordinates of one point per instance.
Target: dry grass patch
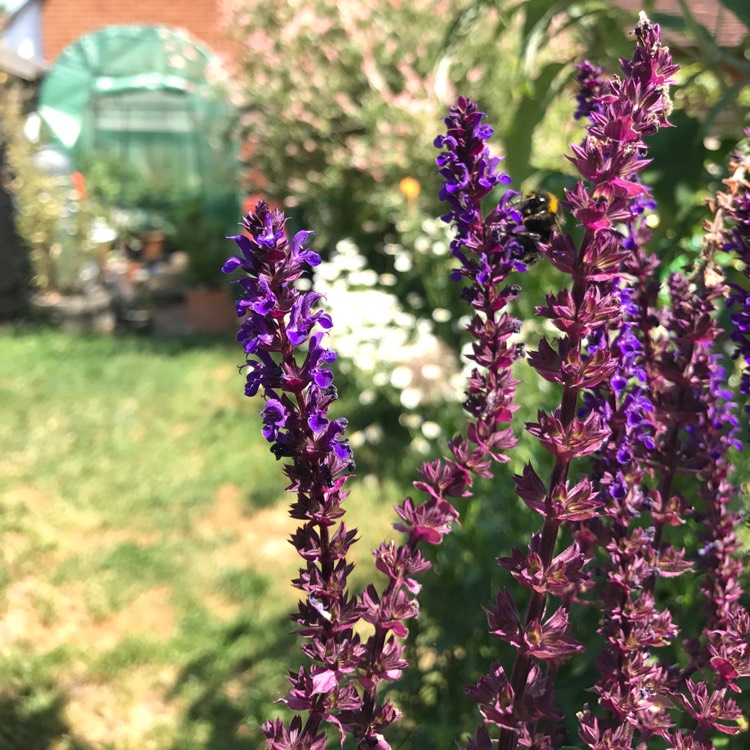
(49, 617)
(133, 712)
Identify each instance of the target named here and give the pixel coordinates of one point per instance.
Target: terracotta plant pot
(210, 310)
(152, 246)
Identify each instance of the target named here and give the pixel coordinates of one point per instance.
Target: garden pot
(210, 310)
(152, 246)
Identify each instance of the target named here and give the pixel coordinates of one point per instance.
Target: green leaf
(729, 96)
(519, 134)
(539, 14)
(464, 21)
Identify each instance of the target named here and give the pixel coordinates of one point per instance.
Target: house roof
(20, 67)
(720, 22)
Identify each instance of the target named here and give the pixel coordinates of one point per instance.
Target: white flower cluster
(374, 336)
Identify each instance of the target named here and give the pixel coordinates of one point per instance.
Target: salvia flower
(609, 160)
(734, 210)
(710, 434)
(487, 249)
(590, 84)
(298, 392)
(629, 687)
(283, 333)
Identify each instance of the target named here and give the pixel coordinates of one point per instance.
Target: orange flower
(410, 189)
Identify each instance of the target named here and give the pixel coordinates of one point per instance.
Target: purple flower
(278, 318)
(591, 86)
(487, 251)
(734, 210)
(469, 174)
(274, 415)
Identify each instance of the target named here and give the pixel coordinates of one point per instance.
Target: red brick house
(55, 24)
(718, 20)
(63, 21)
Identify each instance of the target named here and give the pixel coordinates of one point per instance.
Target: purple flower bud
(591, 86)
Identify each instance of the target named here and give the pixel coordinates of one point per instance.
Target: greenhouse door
(153, 132)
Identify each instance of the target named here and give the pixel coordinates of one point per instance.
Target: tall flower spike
(487, 253)
(298, 391)
(487, 249)
(733, 208)
(632, 685)
(609, 159)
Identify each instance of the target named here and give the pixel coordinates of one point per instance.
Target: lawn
(145, 569)
(145, 564)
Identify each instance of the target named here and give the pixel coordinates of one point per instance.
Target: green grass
(144, 584)
(145, 569)
(157, 424)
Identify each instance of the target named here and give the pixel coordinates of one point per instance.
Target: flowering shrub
(318, 79)
(640, 445)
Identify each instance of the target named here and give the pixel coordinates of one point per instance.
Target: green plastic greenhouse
(148, 98)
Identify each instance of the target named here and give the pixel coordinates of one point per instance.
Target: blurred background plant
(52, 215)
(129, 201)
(401, 382)
(203, 238)
(339, 102)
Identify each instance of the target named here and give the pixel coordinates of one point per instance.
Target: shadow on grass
(32, 717)
(231, 687)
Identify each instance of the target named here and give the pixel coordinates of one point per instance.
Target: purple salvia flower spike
(609, 158)
(733, 209)
(279, 317)
(480, 242)
(295, 421)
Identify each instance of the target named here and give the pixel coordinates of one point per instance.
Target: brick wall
(63, 21)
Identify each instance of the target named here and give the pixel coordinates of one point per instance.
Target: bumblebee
(539, 215)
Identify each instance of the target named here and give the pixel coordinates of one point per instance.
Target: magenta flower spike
(723, 656)
(733, 209)
(609, 160)
(488, 251)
